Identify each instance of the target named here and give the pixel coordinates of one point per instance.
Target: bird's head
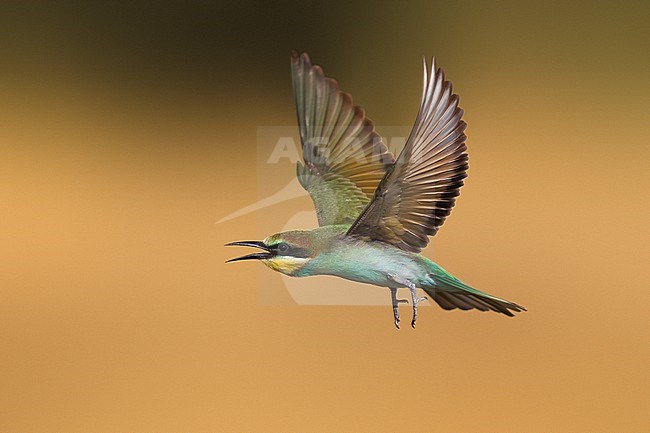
(285, 252)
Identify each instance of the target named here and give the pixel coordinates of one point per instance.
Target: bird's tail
(451, 293)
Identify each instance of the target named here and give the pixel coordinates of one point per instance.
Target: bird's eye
(283, 248)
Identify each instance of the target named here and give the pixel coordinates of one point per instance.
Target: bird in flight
(376, 212)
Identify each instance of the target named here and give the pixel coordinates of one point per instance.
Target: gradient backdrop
(127, 130)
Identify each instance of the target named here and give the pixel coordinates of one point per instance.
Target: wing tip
(303, 57)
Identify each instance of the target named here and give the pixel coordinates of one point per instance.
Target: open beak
(257, 256)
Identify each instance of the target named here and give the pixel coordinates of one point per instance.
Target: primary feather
(344, 158)
(420, 188)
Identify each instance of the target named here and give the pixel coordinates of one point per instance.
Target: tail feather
(451, 293)
(469, 301)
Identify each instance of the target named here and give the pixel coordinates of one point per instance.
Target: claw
(395, 302)
(416, 301)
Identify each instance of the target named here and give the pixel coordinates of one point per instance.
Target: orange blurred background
(126, 131)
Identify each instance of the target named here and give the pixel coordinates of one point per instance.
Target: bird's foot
(415, 310)
(416, 301)
(396, 302)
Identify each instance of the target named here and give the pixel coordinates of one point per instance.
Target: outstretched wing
(344, 158)
(419, 190)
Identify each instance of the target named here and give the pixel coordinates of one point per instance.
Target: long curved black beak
(257, 256)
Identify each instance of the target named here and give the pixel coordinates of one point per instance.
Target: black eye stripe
(298, 252)
(285, 249)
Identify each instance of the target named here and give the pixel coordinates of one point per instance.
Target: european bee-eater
(375, 212)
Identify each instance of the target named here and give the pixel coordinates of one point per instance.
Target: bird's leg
(415, 300)
(396, 302)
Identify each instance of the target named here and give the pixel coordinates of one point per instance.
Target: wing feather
(419, 190)
(344, 158)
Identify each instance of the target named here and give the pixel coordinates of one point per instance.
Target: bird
(376, 212)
